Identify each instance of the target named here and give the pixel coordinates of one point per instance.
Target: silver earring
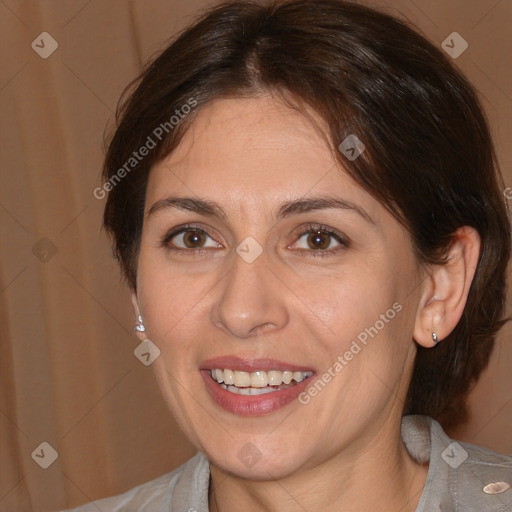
(434, 337)
(140, 326)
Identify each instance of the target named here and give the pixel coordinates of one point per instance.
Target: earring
(140, 326)
(434, 337)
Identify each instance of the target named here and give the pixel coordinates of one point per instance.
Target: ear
(446, 288)
(135, 303)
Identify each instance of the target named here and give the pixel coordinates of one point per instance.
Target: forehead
(249, 148)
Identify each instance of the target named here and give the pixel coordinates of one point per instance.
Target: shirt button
(496, 487)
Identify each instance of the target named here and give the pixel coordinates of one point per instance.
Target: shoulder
(461, 476)
(184, 488)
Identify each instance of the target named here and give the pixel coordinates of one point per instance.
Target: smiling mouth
(256, 383)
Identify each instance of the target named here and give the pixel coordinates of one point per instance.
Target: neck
(376, 475)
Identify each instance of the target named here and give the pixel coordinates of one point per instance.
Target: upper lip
(247, 364)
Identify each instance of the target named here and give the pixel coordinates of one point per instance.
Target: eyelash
(305, 230)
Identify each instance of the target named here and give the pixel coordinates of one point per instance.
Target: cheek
(369, 327)
(348, 301)
(170, 305)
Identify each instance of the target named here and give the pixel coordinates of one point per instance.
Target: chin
(251, 463)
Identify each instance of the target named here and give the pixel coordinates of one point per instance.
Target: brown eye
(189, 238)
(193, 239)
(319, 240)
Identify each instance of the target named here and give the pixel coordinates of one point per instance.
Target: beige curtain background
(67, 370)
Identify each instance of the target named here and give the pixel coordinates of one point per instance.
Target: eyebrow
(209, 208)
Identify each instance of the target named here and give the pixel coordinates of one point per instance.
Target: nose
(251, 300)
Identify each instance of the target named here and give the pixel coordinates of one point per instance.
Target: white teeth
(228, 377)
(259, 379)
(255, 380)
(248, 391)
(275, 378)
(241, 379)
(297, 376)
(287, 377)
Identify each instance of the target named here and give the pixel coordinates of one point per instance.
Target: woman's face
(258, 249)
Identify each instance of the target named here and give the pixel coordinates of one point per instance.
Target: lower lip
(252, 405)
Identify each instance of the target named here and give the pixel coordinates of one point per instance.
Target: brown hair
(429, 157)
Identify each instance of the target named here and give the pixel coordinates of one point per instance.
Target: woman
(304, 200)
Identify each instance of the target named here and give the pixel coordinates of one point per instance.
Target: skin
(291, 304)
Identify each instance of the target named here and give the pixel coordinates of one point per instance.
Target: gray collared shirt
(461, 478)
